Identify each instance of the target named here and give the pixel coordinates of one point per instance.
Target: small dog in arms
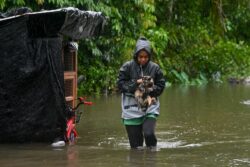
(142, 97)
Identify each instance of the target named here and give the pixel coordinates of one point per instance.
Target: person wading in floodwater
(140, 122)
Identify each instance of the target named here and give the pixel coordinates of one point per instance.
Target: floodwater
(198, 126)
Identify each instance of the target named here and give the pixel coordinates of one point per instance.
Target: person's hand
(139, 81)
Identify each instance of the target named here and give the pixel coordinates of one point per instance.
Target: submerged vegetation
(193, 41)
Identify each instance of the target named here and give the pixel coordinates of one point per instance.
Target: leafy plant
(193, 41)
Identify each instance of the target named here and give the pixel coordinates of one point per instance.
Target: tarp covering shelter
(32, 102)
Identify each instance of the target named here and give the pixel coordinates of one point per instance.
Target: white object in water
(246, 102)
(58, 144)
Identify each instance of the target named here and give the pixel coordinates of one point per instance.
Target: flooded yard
(198, 126)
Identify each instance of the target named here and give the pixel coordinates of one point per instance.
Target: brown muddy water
(198, 126)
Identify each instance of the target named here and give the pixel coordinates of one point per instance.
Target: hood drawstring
(141, 71)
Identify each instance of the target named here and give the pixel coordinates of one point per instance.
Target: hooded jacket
(129, 73)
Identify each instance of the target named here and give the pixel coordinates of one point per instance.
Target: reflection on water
(198, 126)
(72, 156)
(143, 157)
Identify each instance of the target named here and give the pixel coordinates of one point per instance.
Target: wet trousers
(137, 133)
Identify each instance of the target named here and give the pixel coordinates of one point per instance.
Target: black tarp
(32, 103)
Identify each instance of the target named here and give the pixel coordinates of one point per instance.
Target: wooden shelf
(70, 76)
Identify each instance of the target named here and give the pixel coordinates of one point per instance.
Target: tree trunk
(218, 17)
(170, 10)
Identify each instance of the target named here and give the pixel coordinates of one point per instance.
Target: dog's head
(147, 81)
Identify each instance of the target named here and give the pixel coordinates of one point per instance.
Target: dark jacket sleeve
(124, 82)
(159, 83)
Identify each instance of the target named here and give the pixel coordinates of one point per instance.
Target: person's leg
(149, 132)
(135, 135)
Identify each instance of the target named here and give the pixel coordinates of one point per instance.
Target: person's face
(143, 57)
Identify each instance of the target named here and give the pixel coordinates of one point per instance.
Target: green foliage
(99, 79)
(183, 78)
(228, 58)
(238, 24)
(14, 3)
(127, 20)
(192, 41)
(197, 50)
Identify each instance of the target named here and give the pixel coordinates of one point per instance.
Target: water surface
(198, 126)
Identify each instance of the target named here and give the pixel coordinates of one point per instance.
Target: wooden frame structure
(70, 75)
